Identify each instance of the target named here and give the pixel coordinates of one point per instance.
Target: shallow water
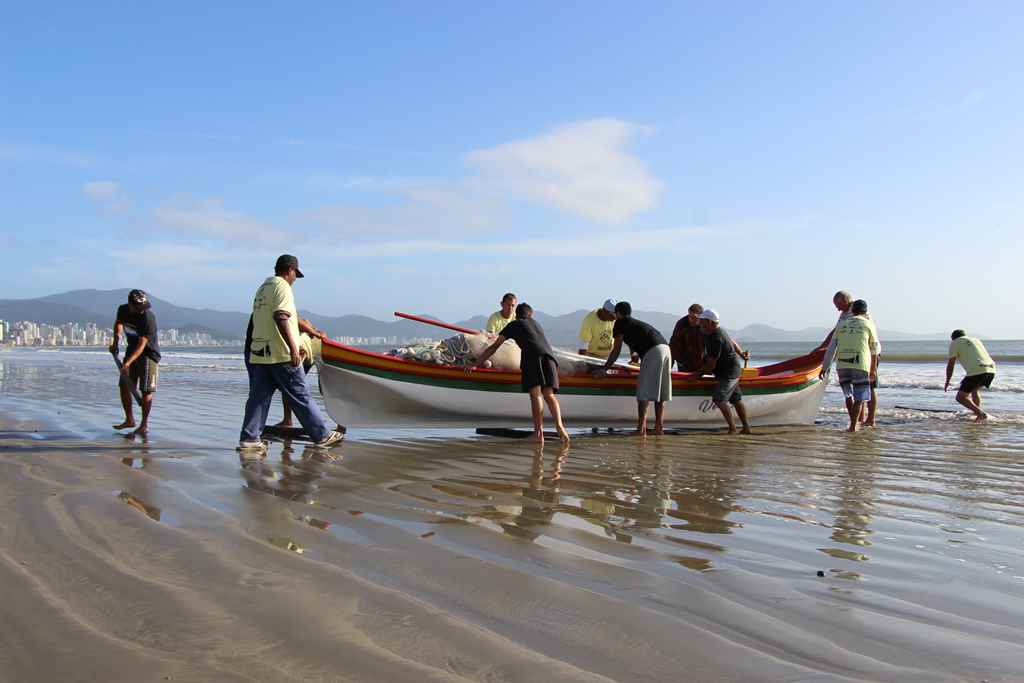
(796, 554)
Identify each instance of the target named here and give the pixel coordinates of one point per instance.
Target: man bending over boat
(722, 358)
(496, 323)
(538, 366)
(275, 361)
(687, 342)
(654, 382)
(978, 365)
(596, 330)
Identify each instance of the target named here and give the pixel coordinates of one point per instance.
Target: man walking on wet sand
(538, 365)
(141, 357)
(275, 360)
(978, 365)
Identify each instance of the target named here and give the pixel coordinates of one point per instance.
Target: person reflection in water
(539, 497)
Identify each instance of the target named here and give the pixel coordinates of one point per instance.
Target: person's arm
(613, 355)
(281, 319)
(830, 356)
(117, 335)
(143, 342)
(745, 355)
(311, 330)
(585, 335)
(873, 375)
(949, 372)
(708, 365)
(488, 352)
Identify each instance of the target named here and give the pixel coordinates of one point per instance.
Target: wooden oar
(124, 379)
(437, 323)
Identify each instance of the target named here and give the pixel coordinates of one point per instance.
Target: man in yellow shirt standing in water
(856, 344)
(596, 331)
(978, 365)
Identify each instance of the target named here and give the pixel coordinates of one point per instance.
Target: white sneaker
(252, 446)
(333, 438)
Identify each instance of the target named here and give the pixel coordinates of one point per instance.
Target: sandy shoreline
(123, 561)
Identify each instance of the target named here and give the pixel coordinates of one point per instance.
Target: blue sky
(748, 156)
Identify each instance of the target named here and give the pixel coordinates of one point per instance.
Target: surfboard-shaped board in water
(277, 432)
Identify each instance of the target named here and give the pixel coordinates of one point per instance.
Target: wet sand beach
(407, 556)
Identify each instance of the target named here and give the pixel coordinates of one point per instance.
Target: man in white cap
(722, 358)
(596, 330)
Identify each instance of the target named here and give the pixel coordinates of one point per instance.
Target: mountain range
(98, 306)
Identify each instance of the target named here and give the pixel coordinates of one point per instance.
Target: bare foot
(564, 436)
(852, 429)
(285, 424)
(127, 424)
(745, 430)
(870, 424)
(142, 431)
(659, 431)
(641, 432)
(981, 418)
(537, 438)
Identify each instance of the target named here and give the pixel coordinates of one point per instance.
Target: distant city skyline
(753, 158)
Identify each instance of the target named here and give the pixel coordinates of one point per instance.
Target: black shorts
(539, 371)
(143, 374)
(972, 383)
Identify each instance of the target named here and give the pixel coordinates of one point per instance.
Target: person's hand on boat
(745, 355)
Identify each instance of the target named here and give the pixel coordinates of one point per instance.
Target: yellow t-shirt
(597, 334)
(855, 339)
(496, 323)
(268, 346)
(973, 355)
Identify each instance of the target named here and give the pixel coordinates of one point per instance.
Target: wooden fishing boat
(362, 388)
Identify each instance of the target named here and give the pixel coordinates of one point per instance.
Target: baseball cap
(286, 261)
(139, 298)
(709, 314)
(609, 305)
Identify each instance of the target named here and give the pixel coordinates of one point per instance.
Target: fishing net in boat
(462, 350)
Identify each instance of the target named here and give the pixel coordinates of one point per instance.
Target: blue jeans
(264, 380)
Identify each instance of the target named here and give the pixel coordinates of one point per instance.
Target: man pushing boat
(538, 366)
(655, 380)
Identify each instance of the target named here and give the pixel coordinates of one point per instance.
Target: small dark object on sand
(821, 573)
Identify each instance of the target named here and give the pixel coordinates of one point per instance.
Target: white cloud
(582, 168)
(107, 194)
(604, 244)
(209, 218)
(423, 209)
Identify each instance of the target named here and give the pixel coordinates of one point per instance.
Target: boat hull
(362, 389)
